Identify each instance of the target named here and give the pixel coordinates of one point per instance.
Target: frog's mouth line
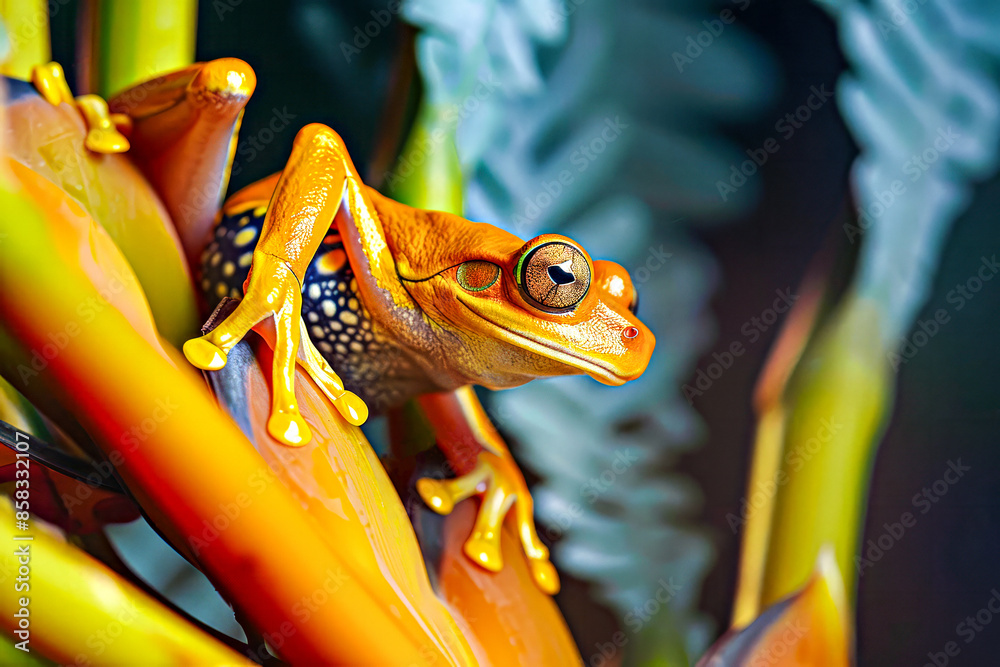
(595, 370)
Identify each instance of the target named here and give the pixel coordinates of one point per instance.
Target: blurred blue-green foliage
(594, 127)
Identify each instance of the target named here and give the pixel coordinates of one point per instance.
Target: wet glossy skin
(494, 334)
(339, 325)
(368, 295)
(393, 302)
(342, 281)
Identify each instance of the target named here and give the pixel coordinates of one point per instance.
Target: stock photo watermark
(752, 331)
(696, 44)
(250, 146)
(796, 459)
(914, 169)
(452, 116)
(958, 297)
(22, 542)
(560, 12)
(37, 24)
(786, 126)
(898, 17)
(656, 258)
(104, 470)
(363, 35)
(590, 491)
(635, 620)
(581, 158)
(57, 341)
(967, 630)
(923, 501)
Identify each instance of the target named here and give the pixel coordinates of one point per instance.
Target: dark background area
(948, 401)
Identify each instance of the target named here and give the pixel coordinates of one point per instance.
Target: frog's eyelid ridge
(445, 270)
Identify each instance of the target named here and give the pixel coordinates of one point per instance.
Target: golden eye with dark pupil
(555, 275)
(477, 275)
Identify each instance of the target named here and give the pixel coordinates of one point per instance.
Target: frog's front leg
(485, 466)
(300, 212)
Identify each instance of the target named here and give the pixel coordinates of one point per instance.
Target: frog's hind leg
(183, 136)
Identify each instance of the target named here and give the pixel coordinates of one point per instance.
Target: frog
(379, 302)
(393, 303)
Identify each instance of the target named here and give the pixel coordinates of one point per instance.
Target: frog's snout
(615, 289)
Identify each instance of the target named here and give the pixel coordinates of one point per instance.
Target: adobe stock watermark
(635, 620)
(130, 440)
(57, 341)
(796, 459)
(924, 501)
(752, 330)
(29, 28)
(695, 45)
(559, 12)
(230, 512)
(786, 126)
(381, 18)
(581, 159)
(101, 640)
(250, 146)
(967, 629)
(303, 610)
(959, 296)
(898, 17)
(779, 647)
(223, 7)
(655, 260)
(453, 116)
(914, 169)
(591, 491)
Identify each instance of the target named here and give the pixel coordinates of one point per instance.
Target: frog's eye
(554, 275)
(477, 275)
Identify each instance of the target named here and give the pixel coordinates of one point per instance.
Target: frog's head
(502, 311)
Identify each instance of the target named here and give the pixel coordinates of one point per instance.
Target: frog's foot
(103, 127)
(272, 291)
(281, 300)
(502, 486)
(349, 405)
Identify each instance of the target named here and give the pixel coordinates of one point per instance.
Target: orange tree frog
(390, 303)
(380, 302)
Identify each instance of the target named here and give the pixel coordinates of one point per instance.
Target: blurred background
(709, 262)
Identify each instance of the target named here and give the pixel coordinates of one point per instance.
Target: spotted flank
(225, 263)
(337, 323)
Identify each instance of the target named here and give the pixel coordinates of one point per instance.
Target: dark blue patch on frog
(16, 89)
(225, 263)
(331, 307)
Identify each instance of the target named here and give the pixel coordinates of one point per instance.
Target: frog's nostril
(630, 332)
